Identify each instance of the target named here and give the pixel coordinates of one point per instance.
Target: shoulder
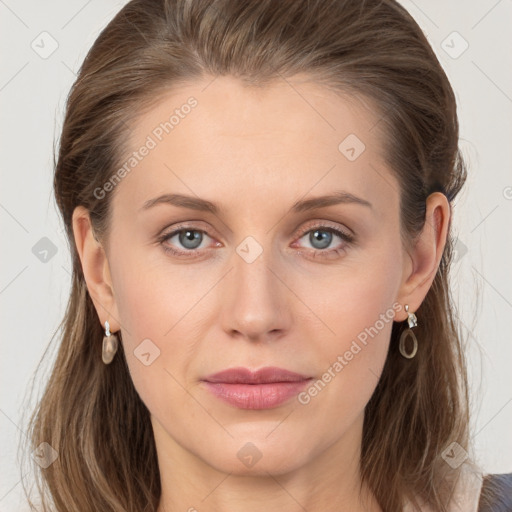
(496, 493)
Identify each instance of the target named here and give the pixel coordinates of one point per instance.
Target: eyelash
(346, 237)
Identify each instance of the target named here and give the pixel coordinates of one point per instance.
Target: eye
(321, 238)
(187, 241)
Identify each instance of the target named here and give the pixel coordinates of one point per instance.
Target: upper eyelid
(166, 233)
(324, 224)
(309, 225)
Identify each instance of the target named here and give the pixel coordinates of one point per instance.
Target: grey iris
(325, 238)
(188, 238)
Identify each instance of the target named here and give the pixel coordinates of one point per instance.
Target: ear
(421, 264)
(95, 268)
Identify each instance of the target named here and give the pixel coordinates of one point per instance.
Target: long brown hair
(90, 413)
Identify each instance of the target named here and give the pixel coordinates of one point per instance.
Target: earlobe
(95, 268)
(427, 253)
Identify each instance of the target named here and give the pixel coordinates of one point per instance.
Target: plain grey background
(44, 44)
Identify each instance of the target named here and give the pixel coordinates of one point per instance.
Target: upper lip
(268, 374)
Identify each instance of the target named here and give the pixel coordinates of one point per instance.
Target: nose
(256, 300)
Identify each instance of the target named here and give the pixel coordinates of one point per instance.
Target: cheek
(351, 362)
(141, 297)
(148, 293)
(158, 307)
(356, 299)
(138, 300)
(359, 311)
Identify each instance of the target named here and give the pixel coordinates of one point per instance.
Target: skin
(254, 153)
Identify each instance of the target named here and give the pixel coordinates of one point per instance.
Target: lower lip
(256, 396)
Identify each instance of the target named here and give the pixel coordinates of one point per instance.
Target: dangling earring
(413, 322)
(109, 345)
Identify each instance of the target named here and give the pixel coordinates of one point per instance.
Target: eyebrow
(196, 203)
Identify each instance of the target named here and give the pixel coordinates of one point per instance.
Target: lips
(265, 388)
(265, 375)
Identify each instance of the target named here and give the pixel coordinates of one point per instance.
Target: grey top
(496, 494)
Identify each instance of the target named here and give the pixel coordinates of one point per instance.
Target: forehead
(219, 138)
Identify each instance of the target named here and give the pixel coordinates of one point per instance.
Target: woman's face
(262, 281)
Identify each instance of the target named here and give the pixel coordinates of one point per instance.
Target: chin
(256, 456)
